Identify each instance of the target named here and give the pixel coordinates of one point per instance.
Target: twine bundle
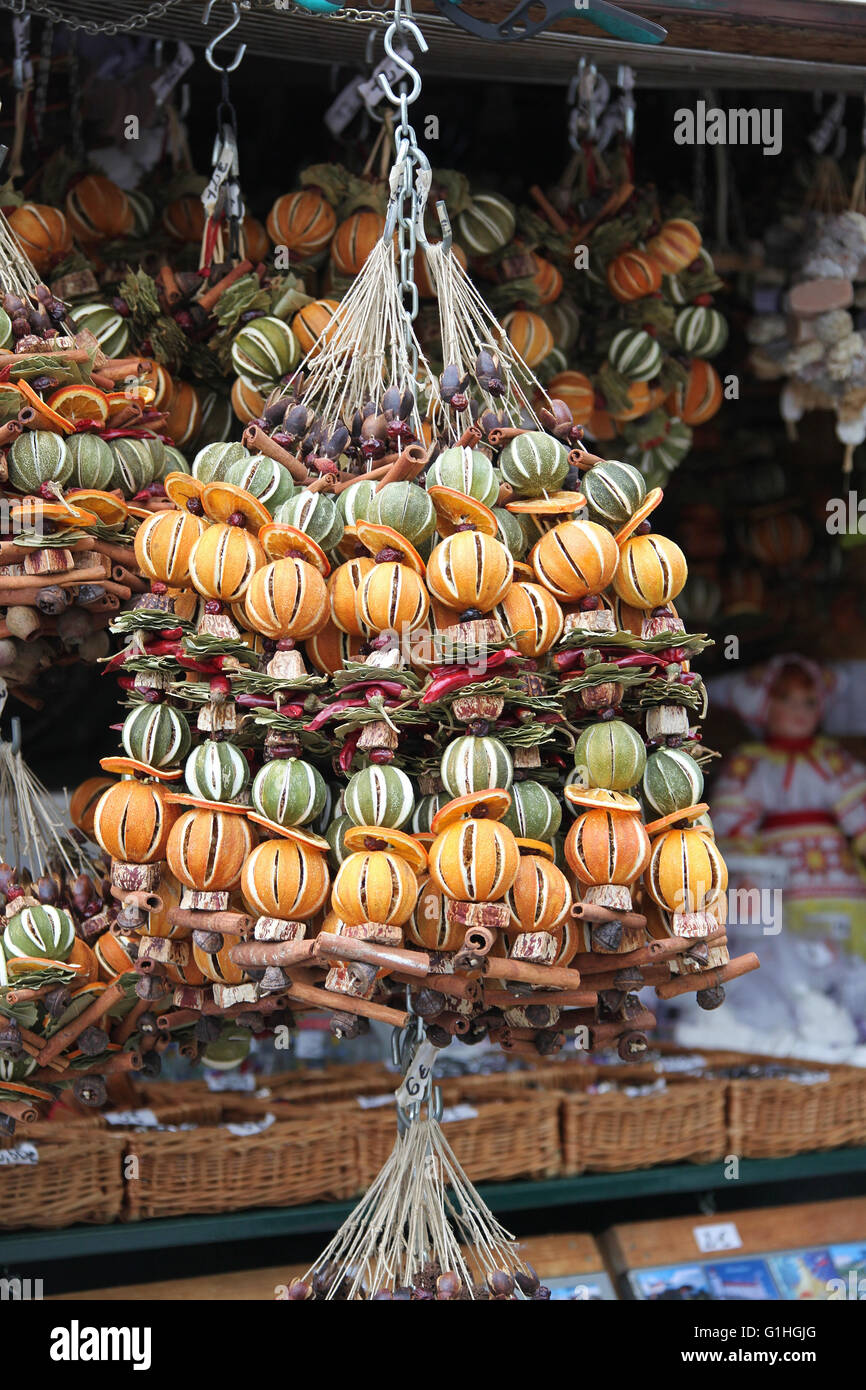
(420, 1210)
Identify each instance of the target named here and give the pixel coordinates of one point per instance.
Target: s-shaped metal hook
(224, 33)
(406, 26)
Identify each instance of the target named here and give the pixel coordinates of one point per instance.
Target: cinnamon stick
(594, 912)
(207, 298)
(91, 1015)
(709, 979)
(332, 947)
(259, 953)
(22, 1110)
(455, 986)
(10, 432)
(502, 434)
(229, 923)
(557, 223)
(258, 441)
(378, 472)
(347, 1004)
(556, 976)
(576, 998)
(10, 359)
(406, 465)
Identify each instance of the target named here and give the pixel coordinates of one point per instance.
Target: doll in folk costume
(799, 798)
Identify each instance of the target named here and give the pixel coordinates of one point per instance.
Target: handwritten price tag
(247, 1128)
(723, 1236)
(231, 1081)
(143, 1118)
(25, 1154)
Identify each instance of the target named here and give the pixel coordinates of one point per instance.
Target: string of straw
(367, 347)
(420, 1208)
(467, 326)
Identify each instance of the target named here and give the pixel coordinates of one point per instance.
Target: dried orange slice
(122, 765)
(600, 799)
(489, 805)
(300, 833)
(688, 813)
(181, 488)
(540, 847)
(80, 402)
(454, 509)
(647, 506)
(396, 841)
(554, 504)
(59, 514)
(105, 506)
(201, 804)
(279, 540)
(222, 500)
(376, 538)
(45, 413)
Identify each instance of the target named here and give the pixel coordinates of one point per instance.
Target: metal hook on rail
(224, 34)
(406, 26)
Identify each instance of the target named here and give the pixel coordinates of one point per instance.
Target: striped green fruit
(14, 1069)
(510, 532)
(614, 491)
(108, 327)
(486, 225)
(211, 463)
(142, 213)
(265, 350)
(5, 329)
(379, 796)
(679, 288)
(354, 502)
(157, 454)
(133, 465)
(216, 771)
(217, 418)
(406, 508)
(46, 933)
(316, 515)
(37, 457)
(534, 463)
(672, 780)
(563, 320)
(426, 809)
(466, 470)
(264, 478)
(700, 331)
(534, 813)
(475, 764)
(613, 754)
(230, 1049)
(289, 791)
(335, 835)
(173, 462)
(157, 735)
(635, 355)
(92, 461)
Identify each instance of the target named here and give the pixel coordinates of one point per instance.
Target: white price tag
(25, 1154)
(230, 1081)
(170, 76)
(246, 1128)
(723, 1236)
(414, 1084)
(458, 1112)
(375, 1102)
(345, 107)
(142, 1118)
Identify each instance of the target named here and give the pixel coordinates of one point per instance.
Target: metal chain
(411, 175)
(156, 11)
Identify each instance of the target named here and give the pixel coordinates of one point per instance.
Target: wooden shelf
(38, 1247)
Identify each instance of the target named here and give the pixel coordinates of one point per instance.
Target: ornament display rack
(38, 1248)
(745, 44)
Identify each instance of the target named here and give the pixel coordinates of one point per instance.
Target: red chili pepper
(293, 711)
(450, 678)
(567, 661)
(171, 634)
(126, 682)
(115, 664)
(347, 752)
(330, 711)
(393, 688)
(164, 649)
(640, 659)
(256, 702)
(207, 668)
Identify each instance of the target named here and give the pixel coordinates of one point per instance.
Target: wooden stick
(91, 1015)
(332, 947)
(709, 979)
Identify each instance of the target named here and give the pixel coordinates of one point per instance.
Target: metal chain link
(157, 10)
(411, 175)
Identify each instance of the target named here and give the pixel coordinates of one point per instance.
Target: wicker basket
(513, 1138)
(308, 1158)
(769, 1118)
(76, 1180)
(612, 1132)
